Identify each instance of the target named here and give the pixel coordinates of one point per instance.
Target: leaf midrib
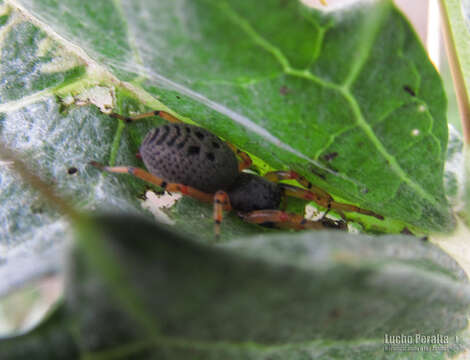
(343, 89)
(288, 69)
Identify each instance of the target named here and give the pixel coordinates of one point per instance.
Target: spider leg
(276, 176)
(321, 197)
(245, 162)
(289, 220)
(146, 176)
(163, 114)
(221, 203)
(325, 201)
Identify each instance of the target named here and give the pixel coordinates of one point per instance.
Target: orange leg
(276, 176)
(246, 160)
(221, 203)
(146, 176)
(163, 114)
(314, 193)
(284, 219)
(325, 201)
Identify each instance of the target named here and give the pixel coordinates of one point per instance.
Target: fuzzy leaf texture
(347, 99)
(312, 295)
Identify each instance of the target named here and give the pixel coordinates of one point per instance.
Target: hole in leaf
(409, 90)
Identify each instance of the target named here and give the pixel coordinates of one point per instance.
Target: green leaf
(348, 99)
(34, 232)
(458, 17)
(31, 64)
(234, 71)
(289, 296)
(335, 96)
(31, 61)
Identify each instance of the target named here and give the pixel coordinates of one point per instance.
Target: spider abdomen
(189, 155)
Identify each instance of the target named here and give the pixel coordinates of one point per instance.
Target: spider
(191, 160)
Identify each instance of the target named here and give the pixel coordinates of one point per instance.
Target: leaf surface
(327, 105)
(347, 99)
(290, 296)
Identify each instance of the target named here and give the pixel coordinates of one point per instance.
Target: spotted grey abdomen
(189, 155)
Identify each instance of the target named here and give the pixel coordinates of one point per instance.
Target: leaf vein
(372, 26)
(369, 32)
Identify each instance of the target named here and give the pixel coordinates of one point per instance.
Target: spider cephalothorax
(191, 160)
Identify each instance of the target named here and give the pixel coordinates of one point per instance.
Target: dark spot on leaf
(72, 170)
(364, 190)
(315, 172)
(193, 150)
(330, 156)
(335, 313)
(215, 145)
(210, 156)
(284, 90)
(406, 231)
(178, 97)
(409, 90)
